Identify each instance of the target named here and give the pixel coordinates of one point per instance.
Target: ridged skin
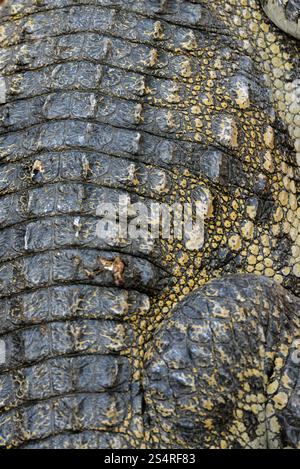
(167, 101)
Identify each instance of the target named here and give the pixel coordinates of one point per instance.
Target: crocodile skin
(158, 101)
(285, 14)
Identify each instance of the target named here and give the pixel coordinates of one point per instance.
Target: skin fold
(148, 343)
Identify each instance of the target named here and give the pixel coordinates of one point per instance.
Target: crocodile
(149, 343)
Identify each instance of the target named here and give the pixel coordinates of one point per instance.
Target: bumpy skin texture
(221, 373)
(124, 344)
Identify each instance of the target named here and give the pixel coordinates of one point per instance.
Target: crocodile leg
(223, 370)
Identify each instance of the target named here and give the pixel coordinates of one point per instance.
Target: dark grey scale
(96, 168)
(81, 266)
(63, 303)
